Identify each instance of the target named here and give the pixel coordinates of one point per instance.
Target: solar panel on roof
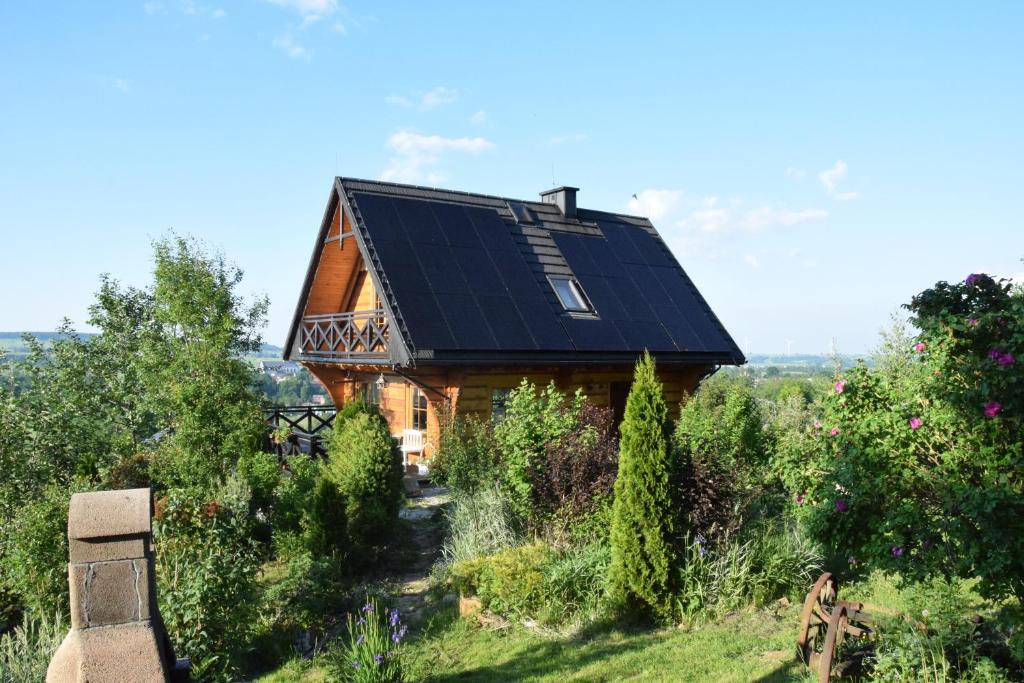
(594, 335)
(439, 267)
(685, 301)
(467, 323)
(545, 328)
(427, 327)
(576, 255)
(378, 212)
(456, 226)
(618, 239)
(493, 231)
(648, 284)
(506, 323)
(481, 275)
(651, 248)
(674, 322)
(418, 221)
(602, 296)
(644, 334)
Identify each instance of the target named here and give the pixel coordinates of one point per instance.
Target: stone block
(105, 550)
(106, 514)
(113, 592)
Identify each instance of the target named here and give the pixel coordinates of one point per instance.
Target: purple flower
(393, 617)
(897, 551)
(378, 658)
(840, 386)
(919, 347)
(992, 409)
(395, 637)
(355, 663)
(360, 639)
(926, 544)
(841, 505)
(1005, 359)
(361, 621)
(915, 423)
(974, 278)
(853, 561)
(368, 607)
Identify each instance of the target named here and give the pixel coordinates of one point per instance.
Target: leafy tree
(192, 367)
(642, 530)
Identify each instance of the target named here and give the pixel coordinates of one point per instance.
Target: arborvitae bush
(365, 464)
(640, 576)
(326, 526)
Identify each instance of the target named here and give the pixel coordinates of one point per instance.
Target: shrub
(642, 529)
(293, 493)
(206, 564)
(479, 524)
(579, 468)
(26, 651)
(511, 582)
(575, 582)
(365, 465)
(532, 420)
(920, 461)
(373, 653)
(326, 525)
(467, 458)
(34, 553)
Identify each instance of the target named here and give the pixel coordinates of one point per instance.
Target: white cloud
(653, 203)
(218, 13)
(153, 7)
(572, 137)
(310, 10)
(767, 216)
(795, 173)
(830, 178)
(290, 47)
(121, 84)
(431, 99)
(751, 260)
(479, 118)
(415, 153)
(438, 97)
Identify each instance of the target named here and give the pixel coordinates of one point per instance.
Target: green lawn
(745, 647)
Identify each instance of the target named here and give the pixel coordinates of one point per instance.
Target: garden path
(424, 514)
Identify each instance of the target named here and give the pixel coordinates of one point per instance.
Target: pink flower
(919, 347)
(800, 498)
(1005, 359)
(817, 424)
(915, 423)
(992, 409)
(841, 505)
(973, 322)
(840, 385)
(853, 561)
(834, 431)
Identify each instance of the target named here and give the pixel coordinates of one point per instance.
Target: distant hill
(13, 345)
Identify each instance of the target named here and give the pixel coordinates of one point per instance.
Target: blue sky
(812, 165)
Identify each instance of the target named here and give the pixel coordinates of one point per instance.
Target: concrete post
(116, 632)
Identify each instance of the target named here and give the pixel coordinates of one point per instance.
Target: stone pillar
(116, 632)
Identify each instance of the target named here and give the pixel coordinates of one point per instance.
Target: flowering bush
(373, 652)
(920, 464)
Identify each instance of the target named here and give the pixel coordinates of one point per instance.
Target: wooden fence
(305, 425)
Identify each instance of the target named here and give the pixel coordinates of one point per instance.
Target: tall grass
(773, 561)
(25, 652)
(478, 524)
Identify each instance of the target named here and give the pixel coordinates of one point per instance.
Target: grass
(745, 646)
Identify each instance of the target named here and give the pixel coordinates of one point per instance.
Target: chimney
(563, 197)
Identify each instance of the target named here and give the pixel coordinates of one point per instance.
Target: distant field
(12, 344)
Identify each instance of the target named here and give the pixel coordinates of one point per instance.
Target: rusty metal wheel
(814, 618)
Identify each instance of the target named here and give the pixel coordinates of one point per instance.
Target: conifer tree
(642, 528)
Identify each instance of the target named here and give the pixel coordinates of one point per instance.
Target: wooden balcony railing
(359, 335)
(297, 430)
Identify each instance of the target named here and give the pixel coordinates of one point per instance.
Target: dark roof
(465, 279)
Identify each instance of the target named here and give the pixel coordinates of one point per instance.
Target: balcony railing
(359, 335)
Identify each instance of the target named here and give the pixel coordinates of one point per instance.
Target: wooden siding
(339, 263)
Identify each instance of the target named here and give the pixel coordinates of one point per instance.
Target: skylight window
(570, 294)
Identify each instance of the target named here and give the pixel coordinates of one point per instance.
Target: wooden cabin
(427, 301)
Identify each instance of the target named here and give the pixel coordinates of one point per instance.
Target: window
(419, 409)
(371, 394)
(570, 294)
(499, 404)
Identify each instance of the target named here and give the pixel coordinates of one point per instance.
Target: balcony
(356, 336)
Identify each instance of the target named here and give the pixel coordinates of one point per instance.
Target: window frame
(576, 289)
(417, 412)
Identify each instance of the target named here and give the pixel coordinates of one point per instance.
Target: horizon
(811, 169)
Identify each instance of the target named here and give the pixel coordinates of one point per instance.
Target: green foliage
(765, 563)
(532, 420)
(26, 651)
(920, 462)
(467, 458)
(34, 552)
(575, 582)
(365, 465)
(478, 524)
(373, 653)
(262, 474)
(511, 582)
(326, 524)
(206, 564)
(299, 389)
(293, 494)
(642, 531)
(192, 370)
